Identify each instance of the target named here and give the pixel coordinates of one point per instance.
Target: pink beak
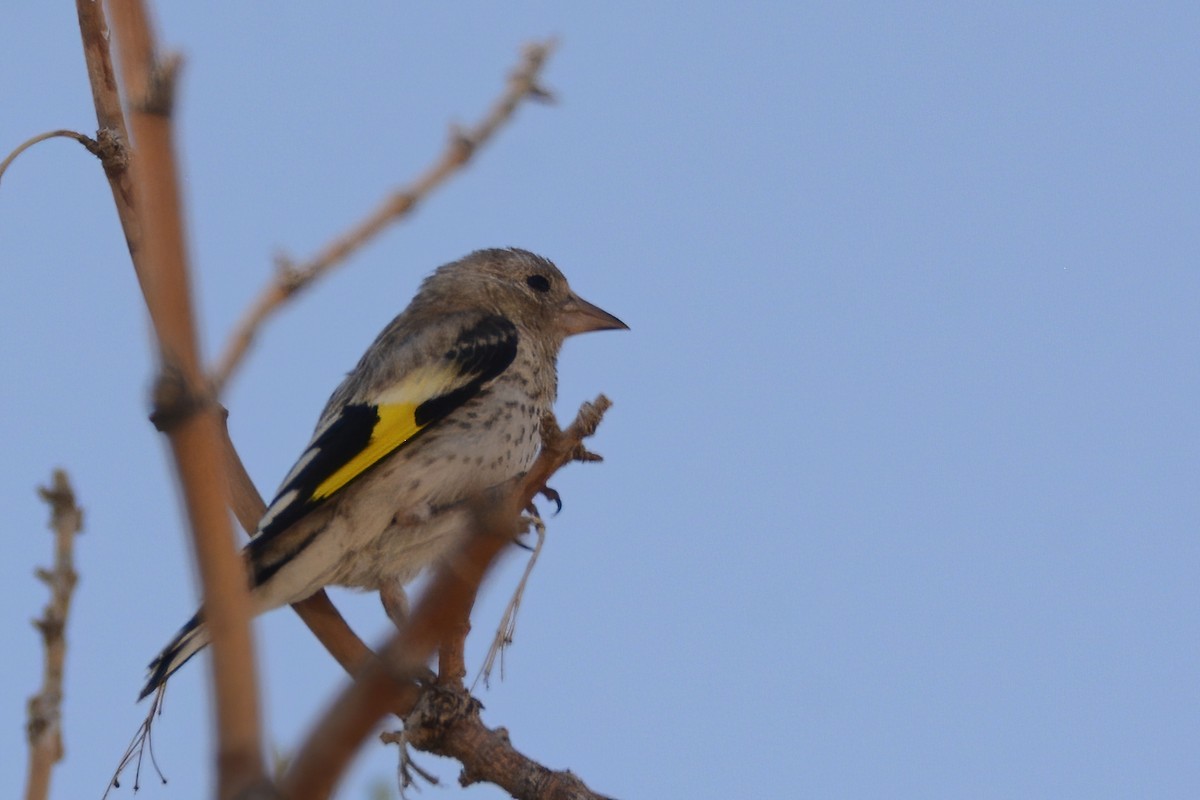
(579, 316)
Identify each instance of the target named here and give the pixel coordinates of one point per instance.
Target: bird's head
(526, 288)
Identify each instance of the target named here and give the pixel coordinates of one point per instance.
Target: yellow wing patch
(397, 424)
(420, 385)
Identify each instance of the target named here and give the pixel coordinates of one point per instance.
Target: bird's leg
(395, 602)
(395, 605)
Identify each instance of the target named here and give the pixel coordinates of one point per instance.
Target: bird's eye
(539, 283)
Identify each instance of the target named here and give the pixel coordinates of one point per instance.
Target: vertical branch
(183, 407)
(44, 728)
(112, 147)
(112, 136)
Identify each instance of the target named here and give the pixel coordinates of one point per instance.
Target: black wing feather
(481, 353)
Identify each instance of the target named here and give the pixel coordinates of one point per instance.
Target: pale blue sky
(900, 494)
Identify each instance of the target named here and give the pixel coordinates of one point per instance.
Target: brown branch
(387, 684)
(44, 728)
(446, 722)
(183, 407)
(112, 139)
(291, 277)
(92, 145)
(112, 134)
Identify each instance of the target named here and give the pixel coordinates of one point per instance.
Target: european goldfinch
(444, 404)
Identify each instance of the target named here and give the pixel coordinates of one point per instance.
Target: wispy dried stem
(44, 726)
(508, 621)
(291, 277)
(92, 145)
(386, 684)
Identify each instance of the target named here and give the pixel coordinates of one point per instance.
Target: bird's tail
(191, 638)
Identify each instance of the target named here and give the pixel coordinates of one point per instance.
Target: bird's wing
(363, 426)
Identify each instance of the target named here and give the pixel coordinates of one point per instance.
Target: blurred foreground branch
(150, 211)
(44, 726)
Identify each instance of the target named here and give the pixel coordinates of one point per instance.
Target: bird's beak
(579, 316)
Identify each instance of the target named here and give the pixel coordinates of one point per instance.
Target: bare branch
(44, 728)
(386, 684)
(447, 723)
(113, 138)
(111, 134)
(291, 277)
(183, 407)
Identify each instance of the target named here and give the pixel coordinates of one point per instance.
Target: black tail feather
(166, 662)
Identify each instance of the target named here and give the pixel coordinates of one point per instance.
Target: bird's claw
(549, 494)
(553, 496)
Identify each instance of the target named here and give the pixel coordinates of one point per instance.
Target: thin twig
(44, 728)
(322, 758)
(291, 277)
(92, 145)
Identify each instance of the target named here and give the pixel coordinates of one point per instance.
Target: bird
(445, 404)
